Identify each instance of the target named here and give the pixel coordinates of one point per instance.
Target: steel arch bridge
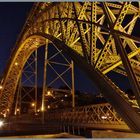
(100, 37)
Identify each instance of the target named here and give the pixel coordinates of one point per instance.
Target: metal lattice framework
(28, 79)
(101, 116)
(99, 37)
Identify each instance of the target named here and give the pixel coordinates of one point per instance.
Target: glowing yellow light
(1, 86)
(33, 104)
(4, 115)
(17, 109)
(38, 110)
(49, 107)
(42, 108)
(49, 93)
(104, 117)
(16, 63)
(7, 109)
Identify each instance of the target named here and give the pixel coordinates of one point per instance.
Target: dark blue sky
(13, 16)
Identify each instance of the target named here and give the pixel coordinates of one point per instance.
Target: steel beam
(124, 57)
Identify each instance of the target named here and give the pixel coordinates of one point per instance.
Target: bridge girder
(73, 26)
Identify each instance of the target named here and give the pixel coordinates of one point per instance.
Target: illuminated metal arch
(74, 23)
(14, 69)
(110, 91)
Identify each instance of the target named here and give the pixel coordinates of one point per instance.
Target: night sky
(13, 16)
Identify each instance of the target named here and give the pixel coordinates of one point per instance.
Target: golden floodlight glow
(42, 108)
(4, 115)
(17, 109)
(33, 104)
(48, 93)
(1, 87)
(49, 107)
(16, 63)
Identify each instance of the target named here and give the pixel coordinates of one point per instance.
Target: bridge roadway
(77, 121)
(35, 129)
(95, 134)
(60, 135)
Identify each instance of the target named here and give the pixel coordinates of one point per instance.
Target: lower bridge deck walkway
(79, 121)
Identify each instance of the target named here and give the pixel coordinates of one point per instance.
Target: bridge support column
(73, 132)
(78, 131)
(64, 129)
(61, 128)
(68, 128)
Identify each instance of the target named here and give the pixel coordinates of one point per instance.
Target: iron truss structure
(99, 36)
(100, 116)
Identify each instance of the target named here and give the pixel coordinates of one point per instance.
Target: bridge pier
(73, 132)
(68, 129)
(64, 129)
(78, 130)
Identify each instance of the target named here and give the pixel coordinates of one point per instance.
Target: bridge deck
(60, 135)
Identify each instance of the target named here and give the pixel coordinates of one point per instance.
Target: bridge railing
(95, 116)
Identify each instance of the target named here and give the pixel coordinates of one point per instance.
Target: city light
(1, 123)
(17, 109)
(33, 104)
(16, 63)
(42, 108)
(49, 93)
(107, 116)
(49, 107)
(4, 115)
(66, 95)
(104, 117)
(1, 86)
